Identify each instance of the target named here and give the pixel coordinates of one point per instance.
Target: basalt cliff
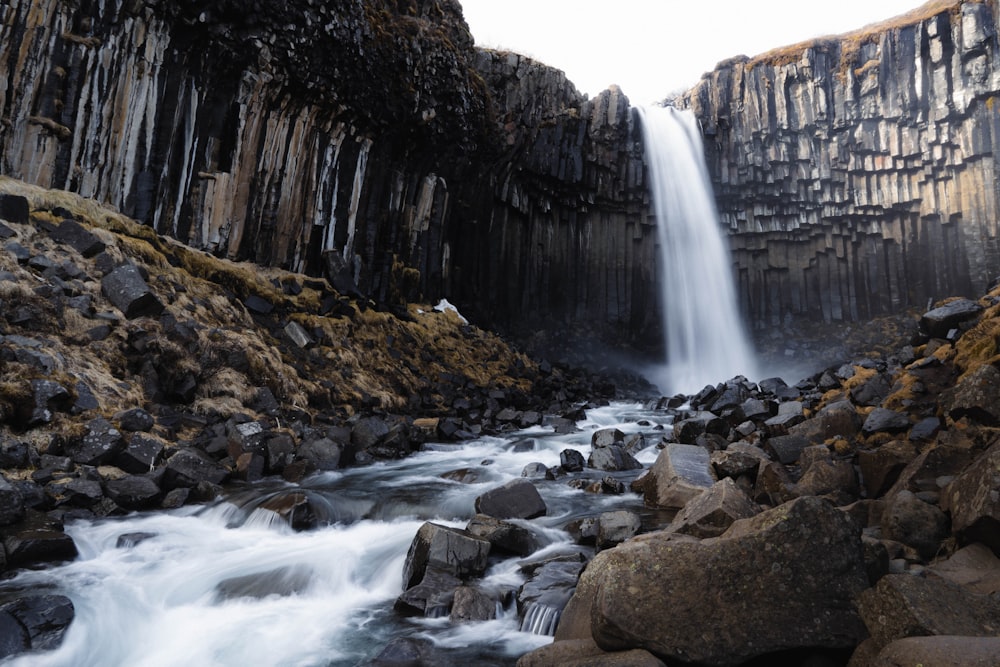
(374, 144)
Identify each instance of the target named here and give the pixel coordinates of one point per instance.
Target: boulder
(75, 235)
(975, 568)
(141, 454)
(471, 604)
(44, 617)
(133, 492)
(902, 605)
(586, 653)
(938, 322)
(323, 453)
(606, 436)
(838, 419)
(976, 396)
(786, 448)
(726, 600)
(135, 419)
(973, 499)
(11, 503)
(615, 527)
(612, 458)
(188, 467)
(37, 541)
(517, 499)
(504, 535)
(13, 636)
(48, 397)
(451, 550)
(773, 485)
(541, 600)
(571, 460)
(537, 471)
(713, 512)
(680, 473)
(127, 290)
(880, 468)
(883, 420)
(404, 652)
(836, 479)
(100, 444)
(14, 208)
(915, 523)
(431, 596)
(941, 651)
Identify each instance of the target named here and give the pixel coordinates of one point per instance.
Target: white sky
(652, 48)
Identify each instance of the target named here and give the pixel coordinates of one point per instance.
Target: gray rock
(606, 436)
(586, 653)
(571, 460)
(615, 527)
(726, 600)
(450, 550)
(680, 473)
(541, 600)
(974, 567)
(11, 503)
(837, 480)
(883, 420)
(45, 618)
(917, 524)
(99, 445)
(786, 448)
(977, 396)
(880, 468)
(471, 604)
(941, 651)
(504, 535)
(127, 290)
(135, 419)
(537, 471)
(133, 492)
(517, 499)
(612, 458)
(324, 453)
(48, 397)
(713, 512)
(140, 455)
(188, 467)
(939, 321)
(78, 237)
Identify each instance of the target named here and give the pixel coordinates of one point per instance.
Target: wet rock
(612, 458)
(13, 636)
(880, 468)
(615, 527)
(974, 568)
(680, 473)
(883, 420)
(44, 617)
(712, 602)
(188, 467)
(404, 652)
(100, 444)
(517, 499)
(35, 541)
(133, 492)
(606, 436)
(323, 453)
(571, 460)
(129, 540)
(915, 523)
(937, 322)
(902, 605)
(714, 511)
(504, 536)
(977, 396)
(450, 550)
(471, 604)
(541, 600)
(78, 237)
(586, 653)
(282, 581)
(973, 499)
(537, 471)
(127, 290)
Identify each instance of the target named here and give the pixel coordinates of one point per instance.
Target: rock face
(855, 174)
(286, 134)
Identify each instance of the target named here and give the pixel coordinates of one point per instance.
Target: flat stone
(939, 321)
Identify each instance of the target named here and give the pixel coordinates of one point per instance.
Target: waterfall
(704, 336)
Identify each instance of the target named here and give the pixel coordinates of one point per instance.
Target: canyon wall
(370, 142)
(857, 175)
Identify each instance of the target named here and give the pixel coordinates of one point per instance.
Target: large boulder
(783, 579)
(902, 605)
(612, 458)
(127, 290)
(938, 322)
(517, 499)
(974, 567)
(504, 535)
(941, 651)
(976, 396)
(680, 473)
(974, 501)
(586, 653)
(915, 523)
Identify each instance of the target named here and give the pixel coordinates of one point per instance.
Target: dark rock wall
(367, 140)
(857, 175)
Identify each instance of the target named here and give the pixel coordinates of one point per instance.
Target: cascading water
(704, 336)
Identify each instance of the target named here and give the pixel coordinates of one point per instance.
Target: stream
(233, 584)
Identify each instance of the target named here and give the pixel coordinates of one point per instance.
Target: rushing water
(231, 584)
(704, 336)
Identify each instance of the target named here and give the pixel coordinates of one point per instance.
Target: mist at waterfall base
(704, 336)
(231, 584)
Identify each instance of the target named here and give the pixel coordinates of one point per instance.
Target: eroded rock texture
(857, 174)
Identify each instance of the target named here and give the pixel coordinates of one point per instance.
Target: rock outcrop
(856, 174)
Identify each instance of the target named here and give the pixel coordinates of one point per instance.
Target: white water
(704, 336)
(230, 585)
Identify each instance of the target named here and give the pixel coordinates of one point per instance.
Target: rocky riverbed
(851, 517)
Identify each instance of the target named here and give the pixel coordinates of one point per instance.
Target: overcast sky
(652, 48)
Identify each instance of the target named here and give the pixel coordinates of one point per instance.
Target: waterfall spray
(704, 336)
